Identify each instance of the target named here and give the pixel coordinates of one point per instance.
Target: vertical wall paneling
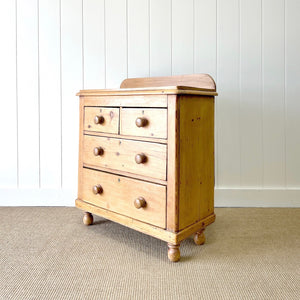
(228, 60)
(251, 94)
(205, 37)
(71, 64)
(94, 44)
(50, 89)
(160, 38)
(292, 71)
(8, 116)
(28, 93)
(138, 38)
(116, 42)
(53, 48)
(182, 37)
(273, 93)
(205, 48)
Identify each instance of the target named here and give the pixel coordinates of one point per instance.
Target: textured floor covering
(46, 253)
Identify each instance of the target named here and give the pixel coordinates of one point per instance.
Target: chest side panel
(196, 159)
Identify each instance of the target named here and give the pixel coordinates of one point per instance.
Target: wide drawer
(148, 122)
(124, 195)
(143, 158)
(101, 119)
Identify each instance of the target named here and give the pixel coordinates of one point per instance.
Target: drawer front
(119, 194)
(148, 122)
(101, 119)
(143, 158)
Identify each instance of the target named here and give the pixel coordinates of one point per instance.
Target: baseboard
(37, 197)
(223, 197)
(257, 197)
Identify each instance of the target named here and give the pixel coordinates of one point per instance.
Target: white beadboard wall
(52, 48)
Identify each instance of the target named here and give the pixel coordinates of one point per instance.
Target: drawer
(101, 119)
(148, 122)
(143, 158)
(119, 194)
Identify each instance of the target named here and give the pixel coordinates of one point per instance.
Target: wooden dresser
(146, 156)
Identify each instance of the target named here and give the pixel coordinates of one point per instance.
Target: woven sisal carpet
(47, 253)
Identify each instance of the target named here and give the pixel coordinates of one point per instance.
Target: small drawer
(134, 198)
(147, 122)
(101, 119)
(142, 158)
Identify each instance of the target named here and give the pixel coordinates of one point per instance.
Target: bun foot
(87, 219)
(173, 252)
(199, 237)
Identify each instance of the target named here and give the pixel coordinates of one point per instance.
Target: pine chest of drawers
(146, 156)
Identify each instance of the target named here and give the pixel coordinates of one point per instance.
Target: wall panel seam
(82, 41)
(127, 38)
(61, 106)
(284, 95)
(262, 94)
(149, 36)
(193, 36)
(39, 90)
(240, 92)
(171, 19)
(216, 102)
(17, 99)
(104, 46)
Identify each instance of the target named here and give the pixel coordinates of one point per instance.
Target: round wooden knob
(140, 202)
(140, 158)
(141, 122)
(98, 151)
(97, 189)
(99, 119)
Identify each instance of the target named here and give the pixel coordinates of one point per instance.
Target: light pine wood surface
(119, 194)
(152, 167)
(196, 163)
(110, 117)
(155, 122)
(200, 81)
(120, 154)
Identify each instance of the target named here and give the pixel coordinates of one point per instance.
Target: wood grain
(159, 233)
(110, 115)
(173, 163)
(127, 174)
(180, 90)
(119, 196)
(119, 154)
(143, 227)
(196, 188)
(203, 81)
(128, 137)
(156, 126)
(95, 99)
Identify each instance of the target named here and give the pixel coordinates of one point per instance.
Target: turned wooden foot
(173, 252)
(87, 219)
(199, 237)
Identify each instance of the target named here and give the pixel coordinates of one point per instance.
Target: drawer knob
(99, 119)
(97, 189)
(140, 202)
(98, 151)
(141, 122)
(140, 158)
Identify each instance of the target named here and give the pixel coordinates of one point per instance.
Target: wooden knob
(98, 151)
(140, 202)
(141, 122)
(140, 158)
(99, 119)
(97, 189)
